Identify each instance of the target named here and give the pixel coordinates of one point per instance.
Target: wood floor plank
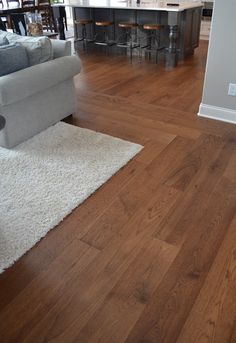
(150, 151)
(134, 196)
(96, 106)
(30, 305)
(163, 114)
(85, 296)
(124, 304)
(194, 201)
(158, 207)
(188, 166)
(123, 129)
(213, 316)
(230, 171)
(126, 203)
(171, 303)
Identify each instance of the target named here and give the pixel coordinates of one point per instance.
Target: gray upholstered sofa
(34, 98)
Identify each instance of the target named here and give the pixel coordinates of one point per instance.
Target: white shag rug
(43, 179)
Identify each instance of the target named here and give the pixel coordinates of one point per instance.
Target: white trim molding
(217, 113)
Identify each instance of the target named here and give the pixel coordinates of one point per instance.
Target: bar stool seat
(128, 25)
(104, 23)
(152, 27)
(83, 21)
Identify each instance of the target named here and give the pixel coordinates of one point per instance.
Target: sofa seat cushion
(13, 57)
(39, 49)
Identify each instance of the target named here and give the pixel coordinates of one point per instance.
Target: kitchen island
(182, 23)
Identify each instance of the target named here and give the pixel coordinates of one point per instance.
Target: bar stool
(128, 41)
(83, 38)
(153, 39)
(105, 36)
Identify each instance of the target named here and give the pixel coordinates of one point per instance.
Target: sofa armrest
(24, 83)
(61, 48)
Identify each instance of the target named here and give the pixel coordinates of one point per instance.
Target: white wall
(221, 64)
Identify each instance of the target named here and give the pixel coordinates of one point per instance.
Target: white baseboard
(217, 113)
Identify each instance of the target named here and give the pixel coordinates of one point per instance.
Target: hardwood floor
(151, 256)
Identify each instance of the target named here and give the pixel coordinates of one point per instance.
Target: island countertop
(133, 5)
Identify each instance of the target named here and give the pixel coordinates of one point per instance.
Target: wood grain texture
(150, 257)
(173, 299)
(214, 312)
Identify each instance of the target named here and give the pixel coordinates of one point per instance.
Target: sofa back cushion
(39, 49)
(2, 35)
(3, 41)
(13, 57)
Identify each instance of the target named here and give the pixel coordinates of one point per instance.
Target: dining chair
(63, 13)
(19, 23)
(59, 12)
(2, 25)
(47, 15)
(3, 18)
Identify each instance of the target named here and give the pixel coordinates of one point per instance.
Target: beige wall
(221, 63)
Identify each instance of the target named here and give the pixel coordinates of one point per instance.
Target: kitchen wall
(221, 64)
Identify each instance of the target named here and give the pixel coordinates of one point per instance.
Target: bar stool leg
(106, 38)
(149, 45)
(129, 40)
(84, 36)
(157, 42)
(140, 51)
(156, 45)
(140, 55)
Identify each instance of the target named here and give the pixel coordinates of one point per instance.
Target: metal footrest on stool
(128, 45)
(125, 40)
(87, 40)
(109, 42)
